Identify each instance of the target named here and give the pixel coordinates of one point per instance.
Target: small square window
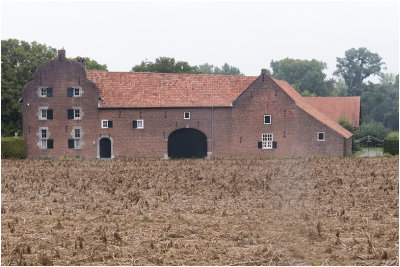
(186, 115)
(43, 91)
(44, 133)
(267, 119)
(77, 114)
(77, 133)
(321, 136)
(77, 92)
(104, 123)
(140, 124)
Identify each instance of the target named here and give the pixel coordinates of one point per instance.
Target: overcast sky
(247, 35)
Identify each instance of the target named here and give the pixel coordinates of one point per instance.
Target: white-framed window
(76, 141)
(267, 119)
(77, 133)
(77, 114)
(186, 115)
(43, 113)
(106, 124)
(43, 92)
(321, 136)
(267, 139)
(77, 91)
(44, 135)
(140, 124)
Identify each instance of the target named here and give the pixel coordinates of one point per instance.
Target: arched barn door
(105, 148)
(187, 143)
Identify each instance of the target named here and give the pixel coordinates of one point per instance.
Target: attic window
(186, 115)
(267, 119)
(321, 136)
(106, 124)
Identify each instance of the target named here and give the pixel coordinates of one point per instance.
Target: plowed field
(317, 211)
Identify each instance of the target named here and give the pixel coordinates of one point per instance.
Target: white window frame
(43, 89)
(323, 136)
(41, 113)
(79, 92)
(184, 115)
(270, 119)
(140, 124)
(43, 140)
(80, 113)
(102, 124)
(267, 140)
(77, 131)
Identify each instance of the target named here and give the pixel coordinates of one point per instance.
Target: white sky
(247, 35)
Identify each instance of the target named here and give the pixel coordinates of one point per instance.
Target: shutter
(50, 143)
(49, 114)
(110, 124)
(259, 144)
(274, 144)
(70, 92)
(71, 143)
(134, 124)
(49, 92)
(70, 114)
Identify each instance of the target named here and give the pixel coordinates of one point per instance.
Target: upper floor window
(74, 114)
(321, 136)
(75, 91)
(106, 124)
(45, 91)
(267, 119)
(138, 124)
(186, 115)
(45, 113)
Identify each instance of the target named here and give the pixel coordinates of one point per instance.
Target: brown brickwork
(232, 130)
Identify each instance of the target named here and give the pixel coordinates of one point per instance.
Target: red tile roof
(337, 107)
(300, 102)
(145, 89)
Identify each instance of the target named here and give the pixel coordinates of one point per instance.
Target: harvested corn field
(316, 211)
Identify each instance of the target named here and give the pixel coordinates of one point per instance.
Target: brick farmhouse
(70, 112)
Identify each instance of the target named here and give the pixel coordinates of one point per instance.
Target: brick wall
(231, 131)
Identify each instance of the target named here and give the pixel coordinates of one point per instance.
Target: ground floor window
(267, 140)
(44, 141)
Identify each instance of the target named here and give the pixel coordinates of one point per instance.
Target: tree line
(379, 101)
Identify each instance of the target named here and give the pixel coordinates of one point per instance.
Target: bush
(355, 146)
(393, 135)
(391, 146)
(373, 128)
(13, 147)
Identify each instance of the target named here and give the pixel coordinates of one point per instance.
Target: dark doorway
(187, 143)
(105, 148)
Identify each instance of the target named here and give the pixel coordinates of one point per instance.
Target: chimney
(263, 71)
(61, 54)
(82, 60)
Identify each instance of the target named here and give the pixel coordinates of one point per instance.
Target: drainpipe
(212, 132)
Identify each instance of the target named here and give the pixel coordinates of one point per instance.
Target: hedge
(13, 147)
(391, 146)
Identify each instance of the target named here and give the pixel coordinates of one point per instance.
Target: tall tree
(19, 60)
(306, 76)
(380, 102)
(356, 66)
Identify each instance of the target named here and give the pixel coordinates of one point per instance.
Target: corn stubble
(340, 211)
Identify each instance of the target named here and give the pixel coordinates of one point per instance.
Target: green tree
(356, 66)
(372, 128)
(380, 102)
(92, 64)
(227, 70)
(165, 65)
(346, 123)
(19, 60)
(306, 76)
